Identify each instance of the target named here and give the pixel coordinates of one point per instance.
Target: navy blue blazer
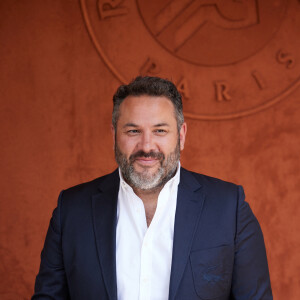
(218, 247)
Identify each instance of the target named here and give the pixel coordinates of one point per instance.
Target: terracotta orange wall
(55, 115)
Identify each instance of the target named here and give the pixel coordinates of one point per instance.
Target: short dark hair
(152, 86)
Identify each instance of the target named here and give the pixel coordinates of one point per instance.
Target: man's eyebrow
(135, 125)
(130, 125)
(161, 125)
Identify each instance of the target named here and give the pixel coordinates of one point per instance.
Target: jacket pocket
(212, 271)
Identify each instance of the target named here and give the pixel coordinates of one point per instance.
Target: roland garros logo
(229, 59)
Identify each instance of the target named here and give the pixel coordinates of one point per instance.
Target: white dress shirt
(144, 254)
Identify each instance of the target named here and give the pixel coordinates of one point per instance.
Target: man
(151, 229)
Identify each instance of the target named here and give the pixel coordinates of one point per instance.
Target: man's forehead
(131, 124)
(147, 111)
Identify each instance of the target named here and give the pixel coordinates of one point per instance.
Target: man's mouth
(146, 159)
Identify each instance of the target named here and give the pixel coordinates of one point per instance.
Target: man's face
(147, 143)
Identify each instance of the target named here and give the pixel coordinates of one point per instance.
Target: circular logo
(212, 33)
(228, 59)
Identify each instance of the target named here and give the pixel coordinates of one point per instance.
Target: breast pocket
(212, 271)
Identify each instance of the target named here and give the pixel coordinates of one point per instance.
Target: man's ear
(113, 132)
(182, 135)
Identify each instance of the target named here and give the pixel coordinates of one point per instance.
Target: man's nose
(146, 142)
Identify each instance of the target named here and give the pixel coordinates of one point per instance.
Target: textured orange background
(55, 132)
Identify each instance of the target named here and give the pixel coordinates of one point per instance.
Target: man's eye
(160, 131)
(133, 131)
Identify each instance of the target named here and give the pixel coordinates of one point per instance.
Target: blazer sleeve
(51, 282)
(250, 272)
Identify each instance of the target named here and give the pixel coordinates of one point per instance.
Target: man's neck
(148, 195)
(149, 199)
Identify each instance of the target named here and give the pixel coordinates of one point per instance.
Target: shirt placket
(146, 267)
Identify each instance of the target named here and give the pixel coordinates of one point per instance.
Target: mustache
(151, 154)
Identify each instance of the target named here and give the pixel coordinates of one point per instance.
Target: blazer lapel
(190, 201)
(105, 219)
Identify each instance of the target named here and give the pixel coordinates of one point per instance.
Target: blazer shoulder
(208, 180)
(87, 189)
(220, 196)
(212, 186)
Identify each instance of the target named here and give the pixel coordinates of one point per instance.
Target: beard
(146, 180)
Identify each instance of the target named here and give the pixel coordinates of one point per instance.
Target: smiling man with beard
(152, 230)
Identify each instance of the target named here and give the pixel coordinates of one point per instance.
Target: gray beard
(146, 180)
